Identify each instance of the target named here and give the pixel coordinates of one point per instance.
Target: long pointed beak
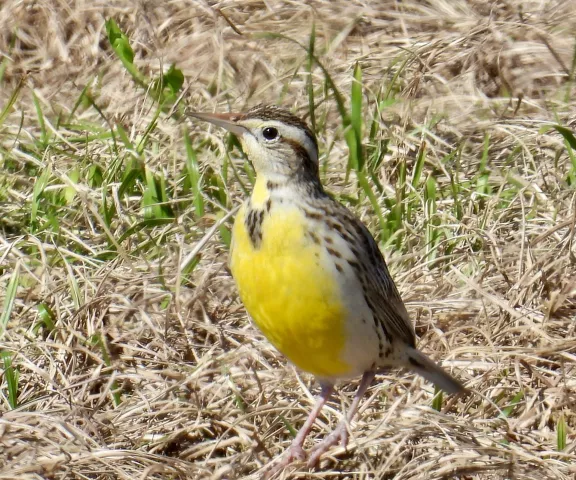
(224, 120)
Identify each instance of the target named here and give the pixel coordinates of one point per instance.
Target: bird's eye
(270, 133)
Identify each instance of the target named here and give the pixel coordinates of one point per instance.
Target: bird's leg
(295, 451)
(340, 433)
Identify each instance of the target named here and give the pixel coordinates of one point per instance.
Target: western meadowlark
(311, 275)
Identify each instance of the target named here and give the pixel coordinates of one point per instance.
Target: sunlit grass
(122, 341)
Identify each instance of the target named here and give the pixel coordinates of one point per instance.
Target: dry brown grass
(203, 395)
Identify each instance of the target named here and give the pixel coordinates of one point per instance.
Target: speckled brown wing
(380, 292)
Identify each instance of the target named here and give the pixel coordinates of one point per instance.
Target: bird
(311, 275)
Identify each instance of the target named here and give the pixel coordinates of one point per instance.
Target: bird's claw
(294, 453)
(338, 436)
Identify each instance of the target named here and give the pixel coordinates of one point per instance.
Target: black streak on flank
(312, 215)
(314, 237)
(339, 228)
(378, 322)
(355, 265)
(333, 252)
(254, 219)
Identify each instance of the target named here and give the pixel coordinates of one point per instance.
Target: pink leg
(295, 451)
(340, 433)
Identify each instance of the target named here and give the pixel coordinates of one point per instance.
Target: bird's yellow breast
(290, 292)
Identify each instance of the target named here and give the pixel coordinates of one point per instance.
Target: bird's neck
(270, 186)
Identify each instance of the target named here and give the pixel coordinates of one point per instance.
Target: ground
(125, 350)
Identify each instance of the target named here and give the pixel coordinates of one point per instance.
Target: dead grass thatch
(147, 373)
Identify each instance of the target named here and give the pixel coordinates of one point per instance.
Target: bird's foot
(338, 436)
(294, 453)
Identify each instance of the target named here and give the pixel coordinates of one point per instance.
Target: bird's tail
(432, 372)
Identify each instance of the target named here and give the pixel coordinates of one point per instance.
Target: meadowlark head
(278, 143)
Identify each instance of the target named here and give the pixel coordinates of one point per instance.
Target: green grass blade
(83, 98)
(154, 202)
(188, 268)
(419, 165)
(194, 177)
(164, 196)
(47, 318)
(74, 287)
(507, 411)
(151, 198)
(365, 186)
(37, 192)
(291, 430)
(70, 192)
(129, 181)
(309, 80)
(356, 118)
(570, 143)
(482, 182)
(353, 160)
(125, 138)
(11, 375)
(397, 210)
(561, 434)
(413, 201)
(567, 134)
(225, 235)
(41, 121)
(438, 399)
(9, 299)
(146, 136)
(432, 222)
(11, 101)
(121, 46)
(397, 73)
(375, 124)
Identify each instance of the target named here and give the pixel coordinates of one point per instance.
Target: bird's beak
(229, 121)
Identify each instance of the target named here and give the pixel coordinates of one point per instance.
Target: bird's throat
(261, 192)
